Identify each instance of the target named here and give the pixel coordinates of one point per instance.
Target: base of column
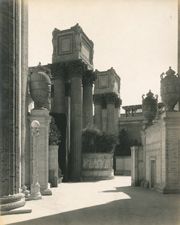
(25, 191)
(35, 192)
(21, 210)
(12, 202)
(46, 191)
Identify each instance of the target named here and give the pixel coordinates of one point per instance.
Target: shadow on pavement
(144, 207)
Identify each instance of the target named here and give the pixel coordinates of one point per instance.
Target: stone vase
(170, 89)
(40, 88)
(149, 106)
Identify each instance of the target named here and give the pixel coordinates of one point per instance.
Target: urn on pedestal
(149, 106)
(40, 87)
(170, 89)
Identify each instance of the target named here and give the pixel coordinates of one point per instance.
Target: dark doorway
(61, 123)
(153, 173)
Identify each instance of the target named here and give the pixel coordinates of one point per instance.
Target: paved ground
(112, 202)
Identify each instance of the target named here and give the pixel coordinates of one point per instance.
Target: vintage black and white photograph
(90, 112)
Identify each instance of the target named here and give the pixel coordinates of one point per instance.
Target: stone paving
(112, 202)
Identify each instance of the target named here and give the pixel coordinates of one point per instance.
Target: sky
(138, 38)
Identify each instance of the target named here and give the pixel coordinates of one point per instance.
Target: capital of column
(89, 78)
(76, 68)
(118, 103)
(97, 98)
(58, 69)
(110, 98)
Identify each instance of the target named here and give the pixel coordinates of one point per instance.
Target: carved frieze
(97, 161)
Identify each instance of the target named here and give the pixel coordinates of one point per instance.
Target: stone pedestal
(42, 148)
(53, 165)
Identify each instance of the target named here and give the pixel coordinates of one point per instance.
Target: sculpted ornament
(40, 87)
(149, 106)
(170, 89)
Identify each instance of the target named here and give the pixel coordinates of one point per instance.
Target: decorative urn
(149, 106)
(170, 89)
(40, 87)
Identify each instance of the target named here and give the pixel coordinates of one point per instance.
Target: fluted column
(111, 98)
(75, 74)
(98, 111)
(24, 92)
(10, 101)
(88, 80)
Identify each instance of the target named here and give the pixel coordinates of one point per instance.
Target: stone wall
(161, 154)
(123, 165)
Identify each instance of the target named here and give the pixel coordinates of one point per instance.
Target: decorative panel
(65, 44)
(104, 81)
(85, 51)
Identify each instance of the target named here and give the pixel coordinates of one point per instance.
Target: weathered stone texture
(162, 147)
(76, 125)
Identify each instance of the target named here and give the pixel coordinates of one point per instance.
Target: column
(75, 73)
(117, 115)
(59, 112)
(68, 133)
(111, 98)
(88, 80)
(10, 110)
(24, 92)
(98, 111)
(58, 105)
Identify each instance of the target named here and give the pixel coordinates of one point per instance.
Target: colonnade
(73, 96)
(107, 110)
